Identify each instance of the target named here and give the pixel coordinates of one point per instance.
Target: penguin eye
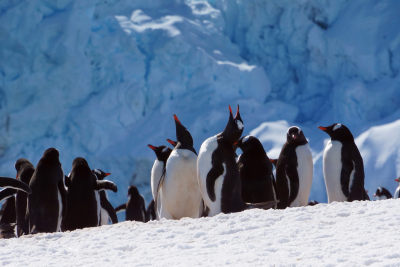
(337, 126)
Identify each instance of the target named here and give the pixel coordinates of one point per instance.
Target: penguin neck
(230, 134)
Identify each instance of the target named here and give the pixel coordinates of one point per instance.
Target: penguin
(273, 161)
(218, 173)
(7, 211)
(83, 204)
(382, 193)
(151, 212)
(25, 171)
(46, 204)
(294, 170)
(107, 212)
(255, 170)
(397, 192)
(135, 209)
(158, 169)
(343, 165)
(179, 193)
(313, 203)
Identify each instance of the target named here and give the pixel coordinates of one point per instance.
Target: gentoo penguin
(107, 212)
(158, 169)
(47, 200)
(151, 212)
(255, 169)
(294, 170)
(382, 193)
(397, 192)
(179, 193)
(217, 170)
(135, 208)
(25, 171)
(343, 166)
(83, 206)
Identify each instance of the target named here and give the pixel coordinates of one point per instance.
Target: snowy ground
(343, 234)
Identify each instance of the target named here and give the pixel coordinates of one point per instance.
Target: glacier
(101, 79)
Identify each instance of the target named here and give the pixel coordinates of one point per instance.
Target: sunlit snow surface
(101, 79)
(338, 234)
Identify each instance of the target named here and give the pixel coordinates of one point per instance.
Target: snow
(338, 234)
(101, 79)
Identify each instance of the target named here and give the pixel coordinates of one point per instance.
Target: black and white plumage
(158, 170)
(397, 192)
(382, 193)
(107, 212)
(46, 204)
(179, 195)
(255, 169)
(83, 202)
(135, 208)
(343, 166)
(294, 170)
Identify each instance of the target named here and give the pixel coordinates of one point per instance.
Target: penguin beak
(323, 128)
(152, 147)
(176, 119)
(107, 174)
(172, 142)
(397, 180)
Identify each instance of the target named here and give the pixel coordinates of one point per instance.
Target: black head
(172, 142)
(21, 163)
(81, 170)
(251, 144)
(100, 174)
(338, 131)
(295, 136)
(51, 155)
(234, 127)
(182, 135)
(162, 152)
(382, 192)
(133, 191)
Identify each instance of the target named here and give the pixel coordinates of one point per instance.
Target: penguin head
(133, 191)
(162, 152)
(382, 193)
(20, 163)
(234, 127)
(338, 131)
(182, 135)
(172, 142)
(251, 144)
(296, 136)
(51, 155)
(100, 174)
(81, 171)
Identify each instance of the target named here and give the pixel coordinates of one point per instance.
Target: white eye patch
(165, 149)
(337, 126)
(245, 139)
(239, 124)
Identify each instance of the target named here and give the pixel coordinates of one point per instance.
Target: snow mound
(343, 234)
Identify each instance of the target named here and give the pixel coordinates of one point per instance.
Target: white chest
(397, 192)
(305, 173)
(180, 194)
(156, 173)
(332, 167)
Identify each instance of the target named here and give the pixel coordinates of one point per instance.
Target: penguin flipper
(105, 204)
(282, 186)
(6, 193)
(294, 183)
(105, 185)
(63, 193)
(14, 183)
(356, 181)
(120, 208)
(216, 171)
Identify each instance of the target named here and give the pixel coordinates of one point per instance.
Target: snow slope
(339, 234)
(101, 79)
